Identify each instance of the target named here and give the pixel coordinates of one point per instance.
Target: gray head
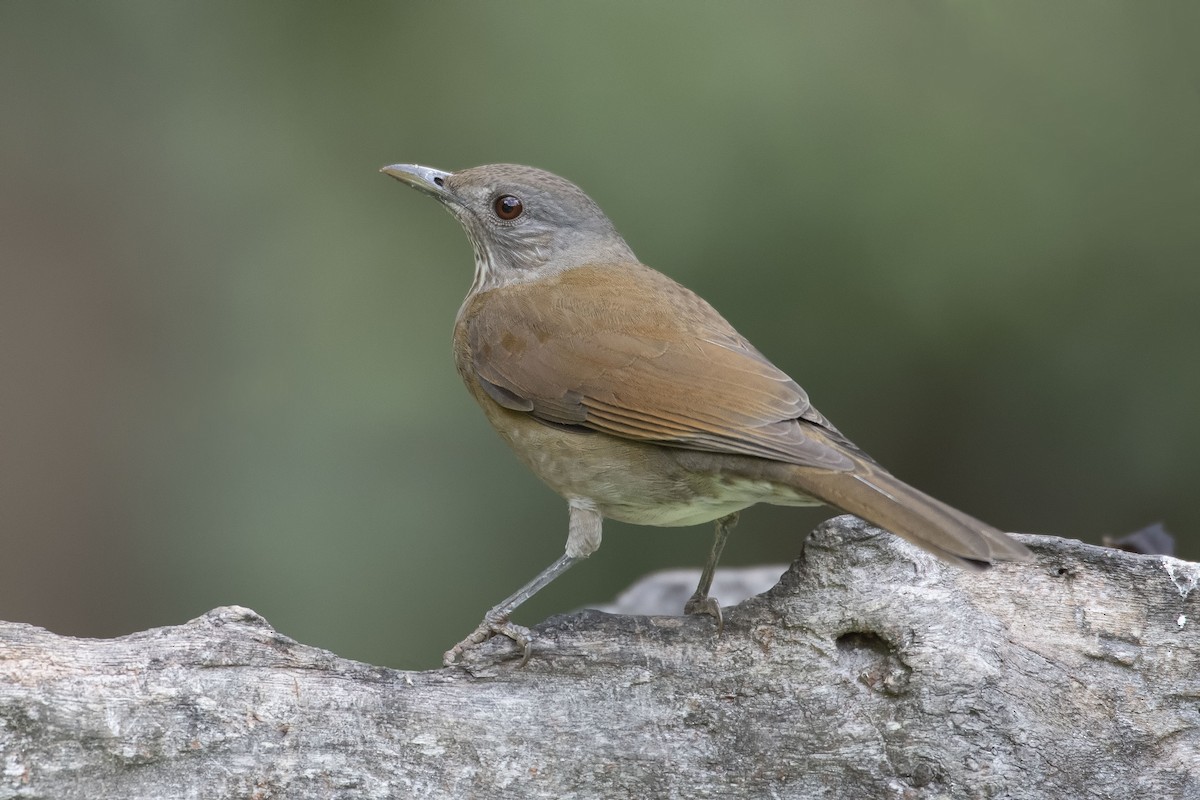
(524, 223)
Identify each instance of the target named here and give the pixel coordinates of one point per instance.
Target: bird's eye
(508, 207)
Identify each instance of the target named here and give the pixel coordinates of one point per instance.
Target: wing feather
(626, 351)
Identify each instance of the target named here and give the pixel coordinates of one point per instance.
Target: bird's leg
(582, 541)
(700, 602)
(496, 621)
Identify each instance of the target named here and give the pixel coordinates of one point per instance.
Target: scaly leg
(700, 602)
(496, 621)
(582, 540)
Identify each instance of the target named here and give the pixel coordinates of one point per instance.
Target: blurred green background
(970, 230)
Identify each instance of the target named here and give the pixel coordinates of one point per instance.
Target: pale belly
(646, 484)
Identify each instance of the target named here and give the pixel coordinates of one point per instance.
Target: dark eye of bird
(508, 207)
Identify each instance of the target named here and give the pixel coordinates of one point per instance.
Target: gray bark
(871, 670)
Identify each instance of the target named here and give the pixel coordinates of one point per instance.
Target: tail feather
(882, 499)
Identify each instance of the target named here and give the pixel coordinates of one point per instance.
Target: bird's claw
(492, 626)
(703, 605)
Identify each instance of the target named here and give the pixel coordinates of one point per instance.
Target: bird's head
(524, 223)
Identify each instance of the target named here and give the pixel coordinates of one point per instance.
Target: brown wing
(627, 351)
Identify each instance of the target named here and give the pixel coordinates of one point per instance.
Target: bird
(635, 400)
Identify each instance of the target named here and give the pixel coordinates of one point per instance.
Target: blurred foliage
(970, 230)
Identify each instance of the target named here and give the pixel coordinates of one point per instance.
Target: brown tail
(880, 498)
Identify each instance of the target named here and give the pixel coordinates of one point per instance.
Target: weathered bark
(870, 671)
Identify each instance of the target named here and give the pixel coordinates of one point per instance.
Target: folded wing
(662, 367)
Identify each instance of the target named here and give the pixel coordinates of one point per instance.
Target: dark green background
(970, 230)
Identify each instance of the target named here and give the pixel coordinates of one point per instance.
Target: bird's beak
(424, 179)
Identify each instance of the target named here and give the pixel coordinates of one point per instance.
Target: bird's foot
(703, 605)
(492, 625)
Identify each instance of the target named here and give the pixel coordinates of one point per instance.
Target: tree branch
(870, 670)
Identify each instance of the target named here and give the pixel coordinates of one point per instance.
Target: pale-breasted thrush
(634, 399)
